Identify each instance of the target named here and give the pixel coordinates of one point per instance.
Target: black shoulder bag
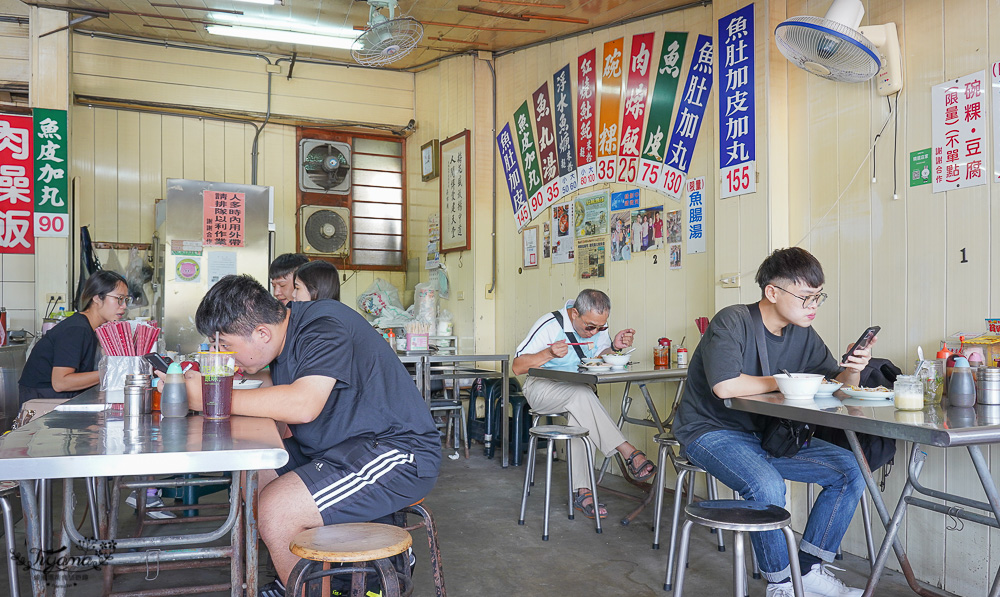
(780, 438)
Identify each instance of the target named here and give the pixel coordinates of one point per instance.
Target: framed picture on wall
(455, 191)
(429, 164)
(530, 247)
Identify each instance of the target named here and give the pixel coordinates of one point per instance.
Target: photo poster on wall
(591, 212)
(546, 240)
(958, 128)
(737, 125)
(590, 259)
(690, 113)
(433, 242)
(675, 256)
(647, 229)
(563, 233)
(621, 236)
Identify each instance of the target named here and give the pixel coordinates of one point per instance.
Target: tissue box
(416, 341)
(113, 371)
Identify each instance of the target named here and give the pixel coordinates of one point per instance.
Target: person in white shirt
(549, 344)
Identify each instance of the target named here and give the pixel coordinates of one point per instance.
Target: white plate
(827, 389)
(598, 368)
(867, 394)
(246, 384)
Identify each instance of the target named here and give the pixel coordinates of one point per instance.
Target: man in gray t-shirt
(726, 443)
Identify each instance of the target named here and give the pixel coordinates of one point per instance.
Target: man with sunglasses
(561, 339)
(727, 443)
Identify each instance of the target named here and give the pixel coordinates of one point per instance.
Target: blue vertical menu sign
(690, 113)
(515, 186)
(564, 131)
(737, 129)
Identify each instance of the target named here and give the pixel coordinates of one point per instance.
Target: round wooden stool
(366, 545)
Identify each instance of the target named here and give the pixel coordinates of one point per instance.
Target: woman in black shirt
(64, 361)
(316, 280)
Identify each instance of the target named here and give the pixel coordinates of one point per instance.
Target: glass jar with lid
(908, 393)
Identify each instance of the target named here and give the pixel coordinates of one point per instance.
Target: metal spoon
(920, 355)
(785, 371)
(629, 351)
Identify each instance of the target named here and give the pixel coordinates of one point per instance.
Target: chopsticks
(118, 340)
(575, 343)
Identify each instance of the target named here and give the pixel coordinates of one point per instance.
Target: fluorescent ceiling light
(278, 35)
(284, 25)
(278, 2)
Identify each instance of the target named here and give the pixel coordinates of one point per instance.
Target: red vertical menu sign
(586, 119)
(610, 93)
(634, 115)
(17, 185)
(224, 218)
(548, 161)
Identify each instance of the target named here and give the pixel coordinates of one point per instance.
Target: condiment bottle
(392, 338)
(908, 393)
(3, 326)
(661, 354)
(962, 385)
(174, 401)
(682, 357)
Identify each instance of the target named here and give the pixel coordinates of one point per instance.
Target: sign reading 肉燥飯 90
(737, 128)
(690, 113)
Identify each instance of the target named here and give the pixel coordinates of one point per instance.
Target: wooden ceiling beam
(531, 4)
(457, 41)
(502, 29)
(170, 28)
(534, 16)
(490, 13)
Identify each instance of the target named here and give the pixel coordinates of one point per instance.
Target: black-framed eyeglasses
(808, 302)
(122, 300)
(599, 328)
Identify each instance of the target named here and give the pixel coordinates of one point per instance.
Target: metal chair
(553, 433)
(740, 517)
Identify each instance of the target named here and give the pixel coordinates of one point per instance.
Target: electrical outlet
(730, 280)
(54, 298)
(461, 295)
(489, 292)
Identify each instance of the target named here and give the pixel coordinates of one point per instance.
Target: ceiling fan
(387, 39)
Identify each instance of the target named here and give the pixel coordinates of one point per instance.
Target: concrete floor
(486, 553)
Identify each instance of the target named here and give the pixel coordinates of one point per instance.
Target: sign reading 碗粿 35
(958, 128)
(737, 128)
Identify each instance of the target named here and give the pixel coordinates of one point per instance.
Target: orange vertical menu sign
(609, 90)
(225, 217)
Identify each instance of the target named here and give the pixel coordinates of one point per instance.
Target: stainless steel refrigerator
(206, 230)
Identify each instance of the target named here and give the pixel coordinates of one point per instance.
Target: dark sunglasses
(599, 328)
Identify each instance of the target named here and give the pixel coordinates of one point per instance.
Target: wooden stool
(354, 543)
(740, 517)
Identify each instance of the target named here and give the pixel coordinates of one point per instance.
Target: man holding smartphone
(727, 443)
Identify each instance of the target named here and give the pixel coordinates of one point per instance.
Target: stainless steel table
(628, 376)
(441, 367)
(80, 441)
(934, 426)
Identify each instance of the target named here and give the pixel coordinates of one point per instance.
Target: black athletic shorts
(376, 481)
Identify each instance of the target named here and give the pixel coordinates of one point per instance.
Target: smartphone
(158, 361)
(863, 341)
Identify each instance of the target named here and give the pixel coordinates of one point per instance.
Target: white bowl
(246, 384)
(799, 386)
(616, 360)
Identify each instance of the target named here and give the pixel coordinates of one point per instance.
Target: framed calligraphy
(455, 189)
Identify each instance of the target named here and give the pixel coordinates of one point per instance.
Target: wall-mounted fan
(387, 39)
(325, 230)
(835, 47)
(324, 166)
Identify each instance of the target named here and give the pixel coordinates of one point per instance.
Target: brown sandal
(636, 471)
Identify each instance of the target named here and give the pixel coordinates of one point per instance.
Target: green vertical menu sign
(51, 173)
(529, 159)
(668, 73)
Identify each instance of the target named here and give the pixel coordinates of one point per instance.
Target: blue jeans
(736, 459)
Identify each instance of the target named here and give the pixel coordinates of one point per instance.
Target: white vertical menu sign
(959, 134)
(564, 131)
(996, 122)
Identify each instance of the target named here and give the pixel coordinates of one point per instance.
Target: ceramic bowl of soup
(800, 386)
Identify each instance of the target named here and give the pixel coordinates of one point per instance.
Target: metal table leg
(251, 533)
(505, 432)
(32, 524)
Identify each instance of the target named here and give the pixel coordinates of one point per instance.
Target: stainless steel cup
(988, 382)
(134, 398)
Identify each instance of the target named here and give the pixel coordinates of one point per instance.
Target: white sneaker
(820, 582)
(780, 589)
(152, 501)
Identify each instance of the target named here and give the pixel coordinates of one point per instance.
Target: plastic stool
(552, 433)
(740, 517)
(369, 546)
